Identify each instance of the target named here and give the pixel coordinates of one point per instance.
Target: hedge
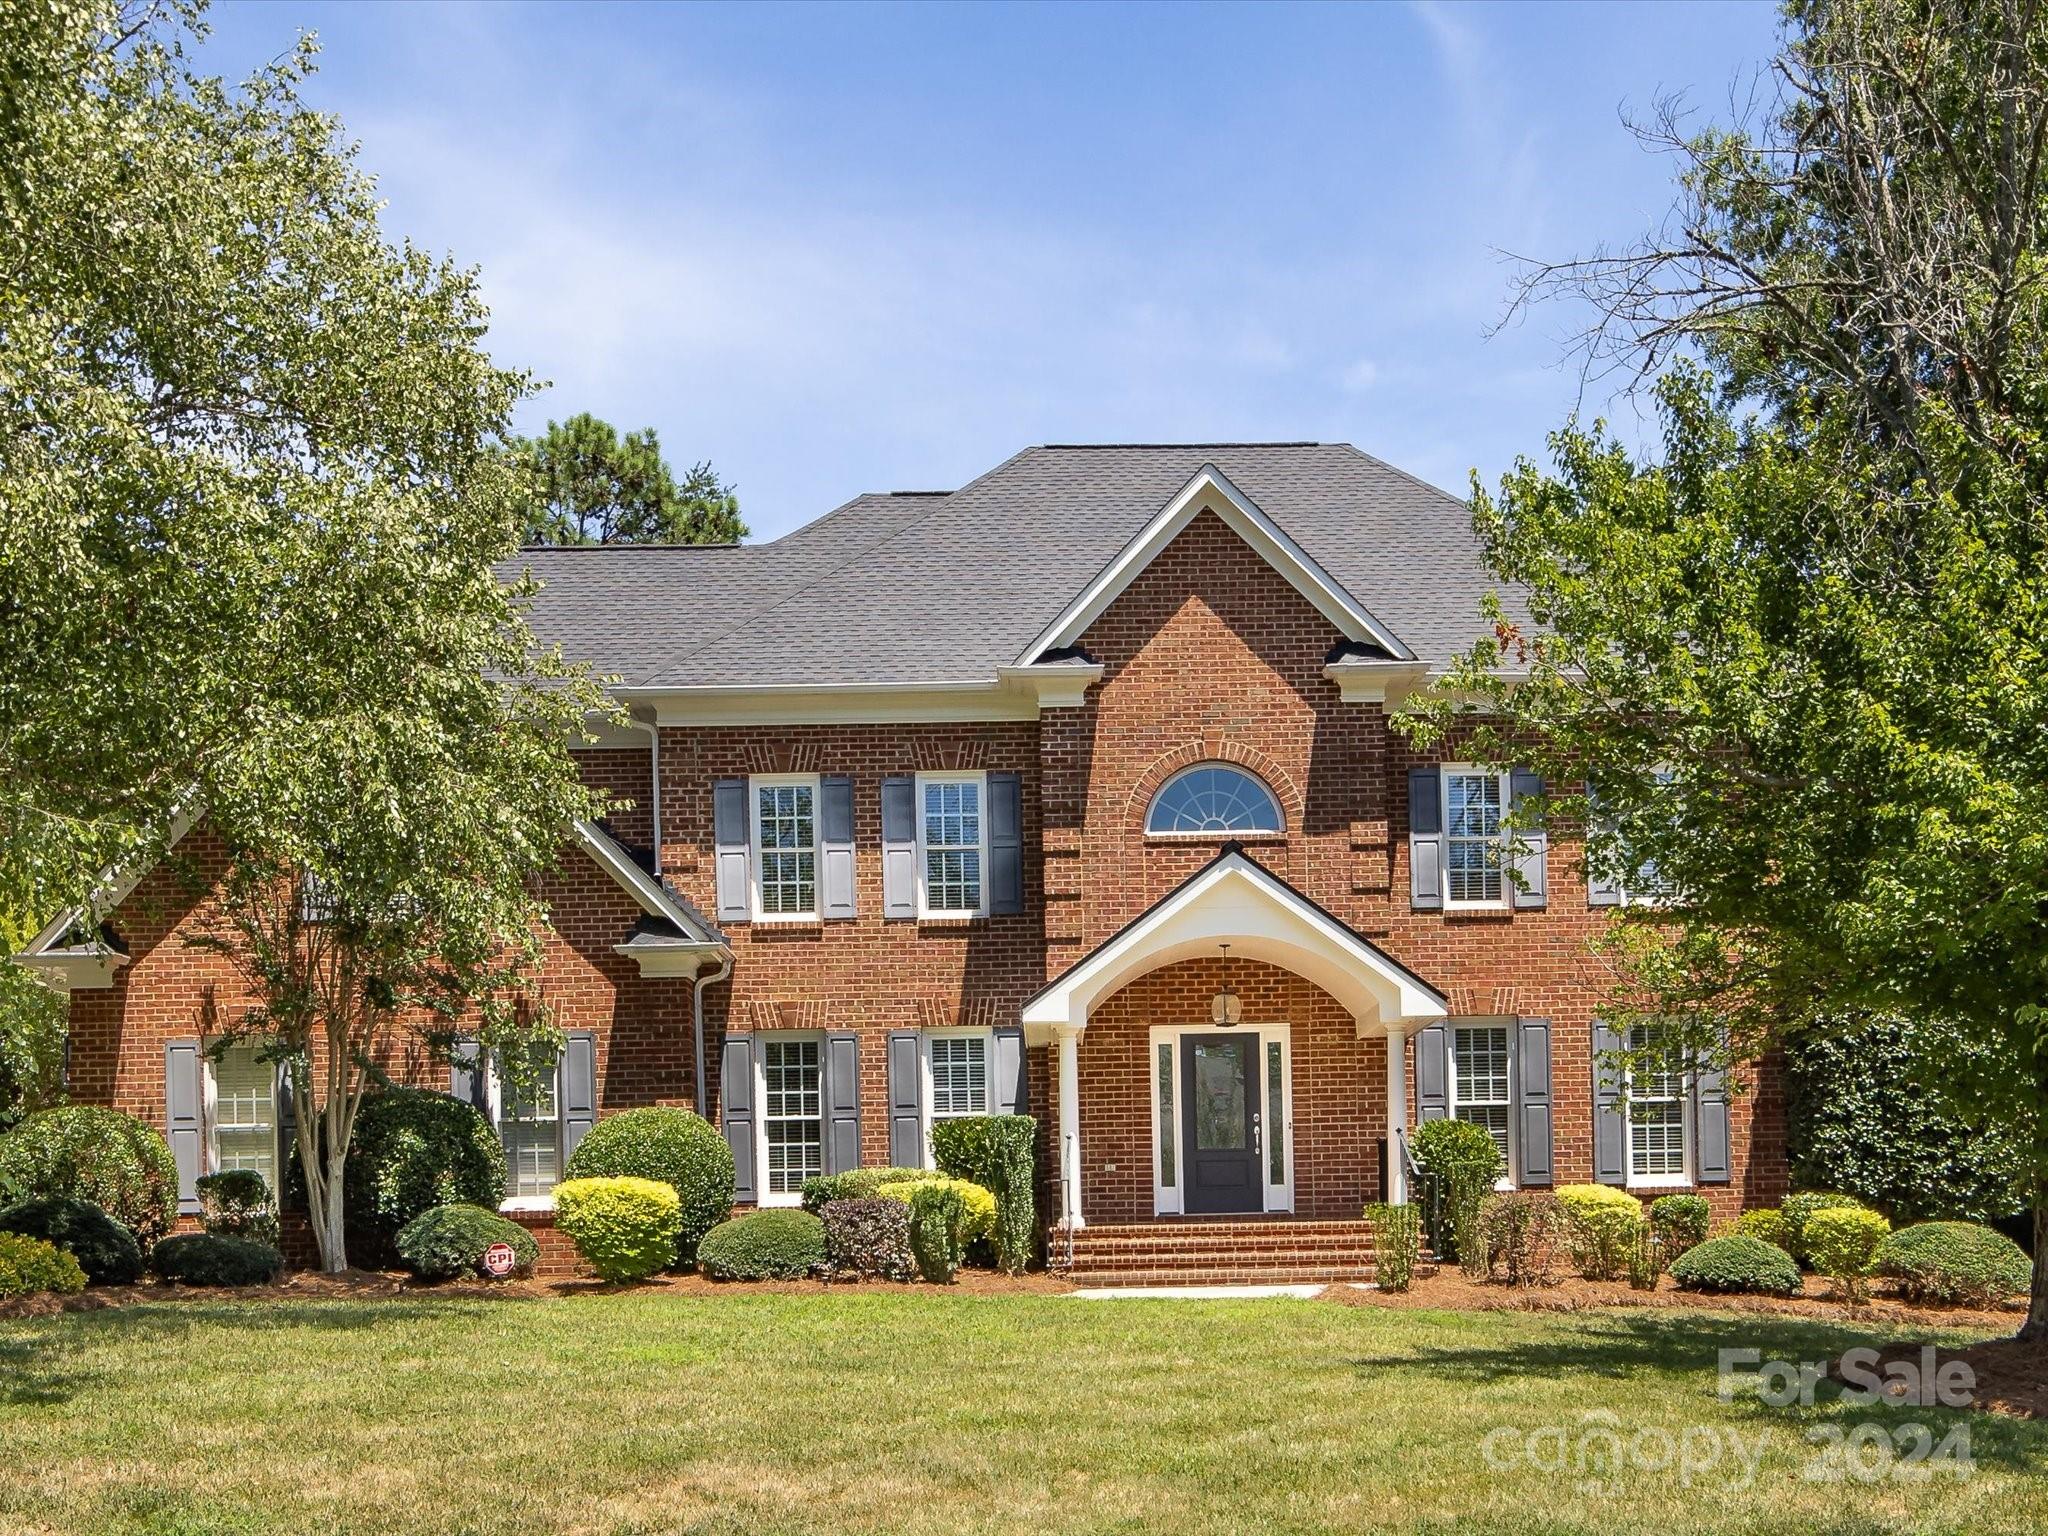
(105, 1250)
(1000, 1154)
(764, 1245)
(119, 1163)
(672, 1146)
(451, 1240)
(1955, 1262)
(625, 1228)
(855, 1184)
(200, 1258)
(1737, 1264)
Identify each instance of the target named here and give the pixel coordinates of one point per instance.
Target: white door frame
(1166, 1201)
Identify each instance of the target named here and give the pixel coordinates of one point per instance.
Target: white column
(1397, 1116)
(1069, 1036)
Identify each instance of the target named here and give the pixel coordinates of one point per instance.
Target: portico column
(1397, 1116)
(1069, 1037)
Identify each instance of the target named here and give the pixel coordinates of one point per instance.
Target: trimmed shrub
(1466, 1162)
(868, 1238)
(856, 1184)
(764, 1245)
(978, 1205)
(1955, 1262)
(1645, 1259)
(1680, 1222)
(450, 1240)
(1396, 1244)
(1766, 1224)
(237, 1204)
(1801, 1208)
(105, 1250)
(1842, 1244)
(413, 1150)
(938, 1222)
(200, 1258)
(116, 1161)
(1736, 1263)
(673, 1146)
(625, 1228)
(29, 1267)
(1521, 1234)
(998, 1152)
(1603, 1223)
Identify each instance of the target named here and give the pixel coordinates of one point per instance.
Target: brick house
(1070, 791)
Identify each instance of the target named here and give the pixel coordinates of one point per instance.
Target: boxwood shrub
(201, 1258)
(998, 1152)
(1737, 1263)
(868, 1239)
(30, 1267)
(625, 1228)
(414, 1150)
(1955, 1262)
(1842, 1244)
(1800, 1208)
(764, 1245)
(855, 1184)
(450, 1240)
(1680, 1222)
(673, 1146)
(237, 1204)
(105, 1250)
(1603, 1225)
(1767, 1224)
(119, 1163)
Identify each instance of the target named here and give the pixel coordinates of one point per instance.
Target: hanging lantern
(1226, 1007)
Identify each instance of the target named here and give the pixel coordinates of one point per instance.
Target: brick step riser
(1169, 1246)
(1112, 1279)
(1220, 1265)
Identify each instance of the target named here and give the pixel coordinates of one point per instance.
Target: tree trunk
(322, 1162)
(2036, 1325)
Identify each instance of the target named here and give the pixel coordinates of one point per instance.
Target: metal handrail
(1066, 1226)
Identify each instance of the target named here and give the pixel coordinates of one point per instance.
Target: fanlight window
(1210, 798)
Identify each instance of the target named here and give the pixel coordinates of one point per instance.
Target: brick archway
(1215, 749)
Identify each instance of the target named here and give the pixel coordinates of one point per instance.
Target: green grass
(917, 1412)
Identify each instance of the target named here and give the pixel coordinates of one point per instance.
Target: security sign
(500, 1260)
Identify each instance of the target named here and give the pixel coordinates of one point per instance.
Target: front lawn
(919, 1412)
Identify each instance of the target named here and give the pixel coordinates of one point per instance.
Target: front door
(1220, 1123)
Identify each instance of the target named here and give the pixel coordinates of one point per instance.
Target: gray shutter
(906, 1099)
(1535, 1132)
(1710, 1118)
(736, 1111)
(1602, 890)
(1610, 1124)
(184, 1100)
(466, 1078)
(842, 1103)
(1425, 839)
(1532, 865)
(1432, 1073)
(1010, 1084)
(730, 848)
(899, 846)
(835, 843)
(1005, 844)
(287, 1131)
(579, 1089)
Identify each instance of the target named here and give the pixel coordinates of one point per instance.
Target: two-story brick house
(1072, 790)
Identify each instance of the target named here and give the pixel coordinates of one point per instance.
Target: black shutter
(731, 847)
(466, 1076)
(835, 845)
(1610, 1124)
(899, 846)
(1432, 1073)
(1536, 1143)
(736, 1112)
(579, 1090)
(1425, 840)
(1532, 864)
(906, 1099)
(842, 1102)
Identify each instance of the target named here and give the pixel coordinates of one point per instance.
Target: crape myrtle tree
(585, 484)
(1797, 663)
(253, 482)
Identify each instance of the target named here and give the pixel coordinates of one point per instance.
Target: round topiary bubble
(450, 1240)
(412, 1151)
(672, 1146)
(31, 1267)
(1802, 1208)
(105, 1250)
(115, 1161)
(200, 1258)
(1955, 1262)
(1737, 1264)
(764, 1245)
(625, 1228)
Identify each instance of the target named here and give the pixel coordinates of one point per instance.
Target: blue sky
(846, 248)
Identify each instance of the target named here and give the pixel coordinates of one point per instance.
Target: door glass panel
(1276, 1142)
(1166, 1116)
(1219, 1096)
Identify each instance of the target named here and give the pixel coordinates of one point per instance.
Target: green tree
(1799, 661)
(588, 485)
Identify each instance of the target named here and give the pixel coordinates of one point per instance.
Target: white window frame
(494, 1100)
(211, 1109)
(1509, 1179)
(1501, 841)
(764, 1196)
(1278, 1197)
(1219, 834)
(755, 785)
(925, 909)
(932, 1117)
(1683, 1096)
(1660, 895)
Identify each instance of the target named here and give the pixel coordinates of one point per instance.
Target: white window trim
(1627, 895)
(1687, 1141)
(1220, 835)
(1511, 1179)
(1278, 1197)
(209, 1110)
(930, 1095)
(764, 1196)
(494, 1106)
(925, 909)
(755, 784)
(1445, 774)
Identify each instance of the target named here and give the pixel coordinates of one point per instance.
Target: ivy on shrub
(1801, 1208)
(200, 1258)
(116, 1161)
(237, 1204)
(1603, 1225)
(1680, 1222)
(30, 1267)
(1956, 1262)
(999, 1153)
(1737, 1264)
(764, 1245)
(451, 1240)
(938, 1223)
(674, 1146)
(625, 1228)
(413, 1150)
(868, 1238)
(105, 1250)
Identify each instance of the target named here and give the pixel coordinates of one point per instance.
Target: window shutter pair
(1531, 874)
(1530, 1128)
(839, 1091)
(733, 853)
(1712, 1162)
(1003, 822)
(1009, 1088)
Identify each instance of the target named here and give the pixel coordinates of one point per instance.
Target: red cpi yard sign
(500, 1260)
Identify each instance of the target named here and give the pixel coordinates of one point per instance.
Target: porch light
(1226, 1007)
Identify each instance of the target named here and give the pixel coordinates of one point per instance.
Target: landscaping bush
(1766, 1224)
(105, 1250)
(1603, 1223)
(450, 1240)
(625, 1228)
(1521, 1234)
(1466, 1163)
(764, 1245)
(1801, 1208)
(938, 1222)
(673, 1146)
(978, 1205)
(200, 1258)
(1646, 1259)
(1737, 1263)
(1680, 1222)
(868, 1238)
(115, 1161)
(1956, 1262)
(412, 1151)
(1396, 1244)
(856, 1184)
(1842, 1244)
(999, 1153)
(237, 1204)
(29, 1267)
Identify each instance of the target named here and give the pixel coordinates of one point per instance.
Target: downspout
(703, 980)
(654, 766)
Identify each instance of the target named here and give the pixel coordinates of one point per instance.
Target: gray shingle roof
(947, 587)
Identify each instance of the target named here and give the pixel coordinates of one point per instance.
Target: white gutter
(654, 769)
(703, 980)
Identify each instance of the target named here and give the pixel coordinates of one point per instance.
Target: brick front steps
(1220, 1251)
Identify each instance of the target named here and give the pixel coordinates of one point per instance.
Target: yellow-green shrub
(1842, 1244)
(980, 1203)
(29, 1266)
(1767, 1225)
(625, 1228)
(1603, 1225)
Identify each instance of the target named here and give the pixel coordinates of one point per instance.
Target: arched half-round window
(1213, 798)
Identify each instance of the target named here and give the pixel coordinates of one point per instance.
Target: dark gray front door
(1220, 1123)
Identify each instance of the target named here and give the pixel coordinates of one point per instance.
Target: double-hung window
(530, 1125)
(792, 1115)
(956, 1066)
(1656, 1113)
(1475, 850)
(245, 1114)
(785, 833)
(1479, 1082)
(951, 844)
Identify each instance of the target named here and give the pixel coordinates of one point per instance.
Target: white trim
(644, 888)
(944, 699)
(763, 1195)
(1510, 1179)
(1445, 773)
(494, 1102)
(1369, 680)
(513, 1203)
(925, 910)
(755, 784)
(1210, 490)
(90, 967)
(1278, 1198)
(1220, 835)
(1688, 1141)
(931, 1117)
